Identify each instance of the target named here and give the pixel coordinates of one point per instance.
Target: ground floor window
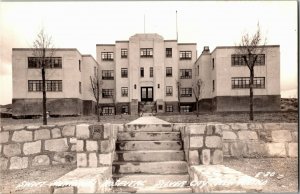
(51, 85)
(185, 108)
(108, 110)
(186, 92)
(169, 108)
(125, 109)
(107, 93)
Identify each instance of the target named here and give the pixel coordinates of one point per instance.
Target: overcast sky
(82, 25)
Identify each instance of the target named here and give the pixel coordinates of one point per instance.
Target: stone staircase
(150, 156)
(148, 108)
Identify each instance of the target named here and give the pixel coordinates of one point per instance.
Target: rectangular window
(79, 65)
(146, 52)
(124, 53)
(95, 71)
(213, 63)
(51, 85)
(186, 92)
(107, 74)
(151, 71)
(108, 110)
(185, 108)
(213, 85)
(169, 91)
(238, 60)
(107, 93)
(168, 52)
(107, 56)
(185, 55)
(79, 87)
(185, 74)
(168, 71)
(124, 72)
(244, 82)
(142, 71)
(124, 91)
(169, 108)
(50, 62)
(125, 109)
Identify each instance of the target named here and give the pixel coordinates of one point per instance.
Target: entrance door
(146, 94)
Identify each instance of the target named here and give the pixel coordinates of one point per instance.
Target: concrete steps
(148, 145)
(152, 190)
(148, 136)
(148, 127)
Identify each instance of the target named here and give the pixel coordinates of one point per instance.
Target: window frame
(37, 85)
(124, 53)
(151, 72)
(237, 60)
(169, 108)
(190, 72)
(185, 55)
(146, 52)
(169, 90)
(124, 75)
(33, 62)
(187, 92)
(168, 73)
(105, 74)
(107, 93)
(107, 56)
(142, 72)
(244, 83)
(124, 94)
(169, 52)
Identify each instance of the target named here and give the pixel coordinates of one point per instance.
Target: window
(125, 109)
(80, 87)
(107, 93)
(168, 52)
(151, 71)
(185, 74)
(108, 110)
(186, 92)
(79, 65)
(168, 71)
(146, 52)
(160, 107)
(238, 60)
(50, 62)
(124, 53)
(213, 85)
(124, 91)
(185, 55)
(244, 82)
(185, 108)
(158, 85)
(107, 74)
(213, 63)
(51, 85)
(107, 56)
(124, 72)
(142, 71)
(169, 91)
(169, 108)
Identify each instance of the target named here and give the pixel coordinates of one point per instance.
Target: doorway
(146, 94)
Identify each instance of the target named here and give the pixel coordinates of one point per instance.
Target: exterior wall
(88, 66)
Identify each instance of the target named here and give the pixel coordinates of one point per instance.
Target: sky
(82, 25)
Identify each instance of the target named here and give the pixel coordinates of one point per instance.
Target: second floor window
(185, 55)
(169, 91)
(186, 92)
(142, 71)
(124, 72)
(107, 74)
(107, 56)
(51, 85)
(124, 91)
(79, 65)
(244, 82)
(107, 93)
(168, 71)
(168, 52)
(80, 87)
(50, 62)
(151, 71)
(146, 52)
(185, 74)
(238, 60)
(124, 53)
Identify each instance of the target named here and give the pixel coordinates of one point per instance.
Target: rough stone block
(293, 149)
(93, 161)
(205, 157)
(22, 136)
(196, 142)
(256, 148)
(79, 146)
(239, 126)
(105, 146)
(229, 135)
(196, 129)
(218, 157)
(68, 131)
(73, 148)
(247, 135)
(237, 149)
(73, 140)
(186, 142)
(41, 160)
(59, 190)
(18, 163)
(56, 133)
(289, 126)
(33, 127)
(32, 147)
(272, 126)
(82, 131)
(295, 136)
(64, 157)
(56, 145)
(194, 157)
(42, 134)
(107, 130)
(255, 126)
(81, 160)
(4, 136)
(105, 159)
(213, 142)
(226, 148)
(13, 127)
(222, 127)
(276, 149)
(12, 150)
(281, 136)
(3, 163)
(91, 145)
(210, 129)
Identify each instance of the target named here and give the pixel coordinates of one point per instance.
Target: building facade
(144, 71)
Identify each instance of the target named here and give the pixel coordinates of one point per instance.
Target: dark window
(213, 63)
(51, 85)
(50, 62)
(244, 82)
(142, 71)
(125, 109)
(169, 108)
(169, 91)
(124, 72)
(124, 91)
(79, 65)
(108, 110)
(80, 87)
(168, 52)
(169, 71)
(185, 108)
(107, 93)
(185, 74)
(186, 92)
(158, 85)
(185, 55)
(107, 74)
(146, 52)
(107, 56)
(238, 60)
(124, 53)
(160, 107)
(213, 85)
(151, 71)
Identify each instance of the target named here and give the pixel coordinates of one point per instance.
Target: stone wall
(31, 146)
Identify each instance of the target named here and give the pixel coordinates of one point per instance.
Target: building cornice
(105, 44)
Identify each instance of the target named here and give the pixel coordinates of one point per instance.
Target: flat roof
(105, 44)
(122, 41)
(187, 43)
(231, 47)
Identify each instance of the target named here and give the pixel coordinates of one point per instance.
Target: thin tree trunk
(98, 112)
(44, 90)
(197, 104)
(251, 93)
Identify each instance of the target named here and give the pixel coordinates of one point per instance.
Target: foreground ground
(285, 178)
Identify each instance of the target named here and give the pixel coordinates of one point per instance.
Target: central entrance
(146, 94)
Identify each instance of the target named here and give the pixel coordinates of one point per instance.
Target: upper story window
(50, 62)
(238, 60)
(107, 93)
(124, 53)
(168, 52)
(124, 72)
(185, 74)
(169, 91)
(95, 71)
(185, 55)
(142, 71)
(80, 87)
(244, 82)
(186, 92)
(124, 91)
(146, 52)
(213, 63)
(107, 56)
(213, 85)
(168, 71)
(151, 71)
(107, 74)
(79, 65)
(51, 85)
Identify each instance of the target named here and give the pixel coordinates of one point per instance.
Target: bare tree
(197, 90)
(250, 49)
(43, 50)
(96, 85)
